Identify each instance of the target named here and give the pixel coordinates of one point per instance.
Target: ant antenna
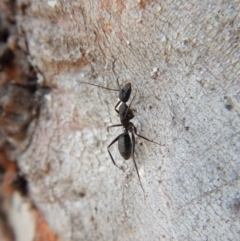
(118, 84)
(113, 69)
(98, 86)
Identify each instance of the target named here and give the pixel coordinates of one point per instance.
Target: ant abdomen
(125, 146)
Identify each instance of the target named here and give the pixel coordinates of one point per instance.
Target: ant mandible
(126, 144)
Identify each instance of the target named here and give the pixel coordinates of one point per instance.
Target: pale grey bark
(182, 58)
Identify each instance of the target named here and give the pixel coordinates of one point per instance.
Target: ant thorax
(125, 112)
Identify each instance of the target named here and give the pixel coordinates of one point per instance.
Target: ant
(126, 144)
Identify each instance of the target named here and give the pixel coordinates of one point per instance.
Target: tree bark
(182, 58)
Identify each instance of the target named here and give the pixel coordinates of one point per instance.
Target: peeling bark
(182, 58)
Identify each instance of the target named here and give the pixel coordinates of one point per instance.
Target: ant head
(125, 92)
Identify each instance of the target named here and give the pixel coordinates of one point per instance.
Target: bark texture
(182, 58)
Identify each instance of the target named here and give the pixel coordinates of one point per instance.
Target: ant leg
(143, 137)
(135, 164)
(117, 106)
(116, 139)
(113, 126)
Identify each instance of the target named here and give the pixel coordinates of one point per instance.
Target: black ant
(126, 144)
